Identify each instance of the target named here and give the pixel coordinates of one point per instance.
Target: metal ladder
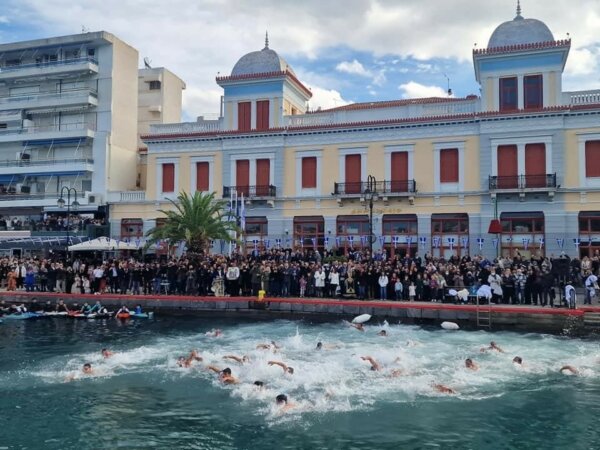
(484, 315)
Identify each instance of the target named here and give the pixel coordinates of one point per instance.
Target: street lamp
(372, 195)
(74, 205)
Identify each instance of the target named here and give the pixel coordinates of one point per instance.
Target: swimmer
(493, 346)
(182, 361)
(382, 333)
(259, 384)
(285, 367)
(106, 353)
(358, 326)
(517, 360)
(469, 364)
(374, 364)
(243, 360)
(272, 346)
(282, 401)
(396, 373)
(321, 346)
(411, 343)
(214, 333)
(225, 375)
(86, 370)
(569, 370)
(443, 389)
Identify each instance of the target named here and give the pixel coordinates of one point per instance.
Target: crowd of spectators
(306, 273)
(49, 222)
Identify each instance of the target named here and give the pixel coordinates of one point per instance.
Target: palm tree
(195, 219)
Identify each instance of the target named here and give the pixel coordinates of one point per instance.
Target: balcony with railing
(65, 130)
(383, 188)
(542, 182)
(26, 166)
(250, 192)
(84, 65)
(126, 196)
(79, 97)
(204, 126)
(581, 98)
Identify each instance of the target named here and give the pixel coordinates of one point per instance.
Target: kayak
(22, 316)
(98, 316)
(123, 316)
(56, 314)
(149, 315)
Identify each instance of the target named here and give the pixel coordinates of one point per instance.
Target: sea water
(141, 398)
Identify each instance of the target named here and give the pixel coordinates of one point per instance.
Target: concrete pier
(517, 317)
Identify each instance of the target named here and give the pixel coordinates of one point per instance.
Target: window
(3, 125)
(263, 174)
(262, 115)
(589, 222)
(521, 232)
(535, 165)
(242, 176)
(202, 176)
(533, 92)
(154, 85)
(399, 172)
(395, 225)
(309, 172)
(307, 228)
(91, 52)
(256, 226)
(353, 174)
(449, 165)
(244, 117)
(168, 177)
(508, 94)
(508, 167)
(447, 234)
(132, 228)
(592, 159)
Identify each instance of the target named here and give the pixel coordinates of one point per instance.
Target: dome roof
(520, 31)
(262, 61)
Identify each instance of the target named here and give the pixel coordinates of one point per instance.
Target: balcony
(522, 183)
(40, 166)
(383, 188)
(250, 192)
(126, 196)
(63, 131)
(81, 97)
(40, 199)
(60, 67)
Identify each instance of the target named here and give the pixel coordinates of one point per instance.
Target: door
(353, 175)
(399, 172)
(242, 176)
(263, 173)
(508, 167)
(535, 165)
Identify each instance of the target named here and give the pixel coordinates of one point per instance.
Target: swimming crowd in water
(283, 403)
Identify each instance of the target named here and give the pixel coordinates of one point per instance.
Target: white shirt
(383, 280)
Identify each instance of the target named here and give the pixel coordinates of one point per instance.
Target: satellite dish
(147, 62)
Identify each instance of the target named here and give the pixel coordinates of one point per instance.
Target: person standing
(233, 279)
(383, 282)
(591, 284)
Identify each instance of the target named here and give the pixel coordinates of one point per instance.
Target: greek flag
(436, 241)
(338, 241)
(267, 243)
(451, 242)
(278, 243)
(525, 243)
(465, 242)
(382, 241)
(350, 240)
(396, 240)
(137, 243)
(327, 242)
(508, 239)
(576, 242)
(408, 240)
(560, 242)
(423, 241)
(495, 241)
(314, 242)
(255, 242)
(480, 242)
(541, 242)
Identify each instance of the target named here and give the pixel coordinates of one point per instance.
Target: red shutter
(262, 115)
(244, 116)
(535, 165)
(168, 177)
(399, 172)
(263, 174)
(202, 176)
(449, 165)
(508, 167)
(309, 172)
(592, 159)
(353, 175)
(242, 176)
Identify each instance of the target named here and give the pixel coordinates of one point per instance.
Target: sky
(345, 51)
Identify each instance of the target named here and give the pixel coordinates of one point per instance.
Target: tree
(196, 219)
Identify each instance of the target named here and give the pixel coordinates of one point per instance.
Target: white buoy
(362, 318)
(450, 326)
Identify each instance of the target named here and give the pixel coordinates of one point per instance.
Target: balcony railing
(250, 191)
(47, 96)
(519, 182)
(381, 188)
(41, 65)
(50, 128)
(43, 162)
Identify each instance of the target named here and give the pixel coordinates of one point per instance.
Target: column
(520, 102)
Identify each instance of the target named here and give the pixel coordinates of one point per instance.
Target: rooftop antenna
(84, 29)
(449, 90)
(147, 62)
(266, 39)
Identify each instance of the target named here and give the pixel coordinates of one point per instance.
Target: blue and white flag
(338, 241)
(480, 242)
(326, 240)
(350, 240)
(541, 242)
(243, 215)
(314, 241)
(525, 243)
(422, 241)
(436, 241)
(495, 241)
(408, 240)
(278, 243)
(508, 239)
(267, 243)
(287, 242)
(126, 240)
(451, 242)
(560, 242)
(381, 241)
(396, 241)
(576, 242)
(363, 240)
(255, 242)
(465, 242)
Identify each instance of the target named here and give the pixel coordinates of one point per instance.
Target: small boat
(149, 315)
(22, 316)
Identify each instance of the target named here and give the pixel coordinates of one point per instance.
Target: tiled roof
(394, 103)
(522, 47)
(266, 75)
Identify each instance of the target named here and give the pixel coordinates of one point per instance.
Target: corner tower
(261, 89)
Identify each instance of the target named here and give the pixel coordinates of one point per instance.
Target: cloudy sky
(344, 50)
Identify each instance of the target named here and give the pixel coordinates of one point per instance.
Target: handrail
(43, 128)
(42, 95)
(250, 191)
(381, 187)
(522, 182)
(61, 62)
(43, 162)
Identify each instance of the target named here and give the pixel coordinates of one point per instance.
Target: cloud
(412, 89)
(326, 98)
(353, 67)
(4, 19)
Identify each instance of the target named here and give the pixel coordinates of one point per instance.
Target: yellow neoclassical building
(422, 175)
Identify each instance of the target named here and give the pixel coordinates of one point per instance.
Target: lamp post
(371, 195)
(69, 204)
(496, 227)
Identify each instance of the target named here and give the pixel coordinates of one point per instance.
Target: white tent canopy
(102, 244)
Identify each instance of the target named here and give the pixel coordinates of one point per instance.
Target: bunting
(480, 242)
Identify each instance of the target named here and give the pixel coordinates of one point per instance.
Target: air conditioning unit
(25, 189)
(27, 123)
(95, 199)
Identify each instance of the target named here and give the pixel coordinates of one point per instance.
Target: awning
(10, 178)
(80, 209)
(48, 142)
(522, 215)
(56, 174)
(589, 214)
(449, 216)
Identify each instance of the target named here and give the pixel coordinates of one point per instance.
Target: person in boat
(122, 310)
(225, 375)
(284, 404)
(138, 309)
(106, 353)
(285, 367)
(85, 309)
(62, 307)
(18, 309)
(471, 365)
